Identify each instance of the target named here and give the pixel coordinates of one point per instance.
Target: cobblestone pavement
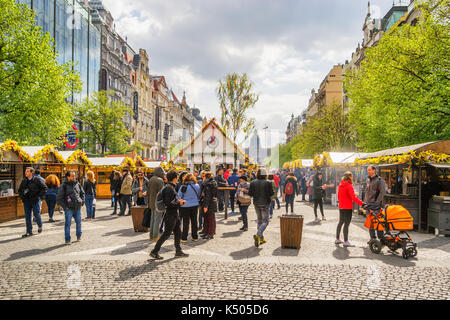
(112, 262)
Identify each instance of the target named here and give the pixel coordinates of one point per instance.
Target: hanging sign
(71, 138)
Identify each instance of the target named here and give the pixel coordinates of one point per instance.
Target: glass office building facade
(76, 38)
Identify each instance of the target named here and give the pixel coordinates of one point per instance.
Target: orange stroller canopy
(397, 218)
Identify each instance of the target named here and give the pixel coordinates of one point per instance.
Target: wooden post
(420, 197)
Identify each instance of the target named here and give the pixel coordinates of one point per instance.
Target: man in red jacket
(346, 196)
(276, 179)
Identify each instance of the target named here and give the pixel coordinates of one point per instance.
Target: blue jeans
(262, 213)
(32, 207)
(243, 210)
(89, 201)
(232, 196)
(50, 199)
(76, 214)
(272, 205)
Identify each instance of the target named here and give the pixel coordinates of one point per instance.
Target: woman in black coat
(209, 204)
(116, 184)
(317, 194)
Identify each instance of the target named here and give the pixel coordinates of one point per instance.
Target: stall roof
(307, 163)
(152, 164)
(439, 165)
(342, 157)
(66, 154)
(32, 150)
(107, 161)
(436, 146)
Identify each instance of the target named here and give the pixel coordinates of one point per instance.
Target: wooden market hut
(103, 168)
(13, 161)
(418, 178)
(211, 146)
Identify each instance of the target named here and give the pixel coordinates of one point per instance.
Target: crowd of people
(183, 203)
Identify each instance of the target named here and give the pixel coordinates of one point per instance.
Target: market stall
(414, 175)
(103, 168)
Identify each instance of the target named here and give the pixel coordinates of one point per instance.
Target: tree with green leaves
(236, 100)
(400, 95)
(102, 120)
(328, 130)
(33, 86)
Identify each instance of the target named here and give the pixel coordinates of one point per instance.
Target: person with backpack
(243, 200)
(171, 217)
(31, 190)
(89, 187)
(209, 204)
(261, 190)
(71, 198)
(155, 185)
(290, 190)
(190, 192)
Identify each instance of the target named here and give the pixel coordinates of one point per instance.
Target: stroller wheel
(375, 246)
(405, 254)
(412, 252)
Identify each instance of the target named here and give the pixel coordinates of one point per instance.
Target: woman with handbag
(244, 200)
(190, 192)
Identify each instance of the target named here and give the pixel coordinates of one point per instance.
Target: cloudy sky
(285, 46)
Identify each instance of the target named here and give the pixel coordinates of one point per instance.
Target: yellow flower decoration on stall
(78, 154)
(422, 157)
(47, 150)
(10, 145)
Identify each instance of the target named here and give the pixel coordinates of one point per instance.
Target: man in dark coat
(261, 191)
(374, 194)
(31, 190)
(221, 182)
(317, 194)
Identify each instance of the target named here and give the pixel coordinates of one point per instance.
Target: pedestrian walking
(113, 191)
(89, 187)
(31, 190)
(52, 183)
(221, 182)
(374, 194)
(190, 193)
(276, 179)
(71, 198)
(283, 177)
(171, 217)
(139, 189)
(126, 192)
(244, 200)
(155, 185)
(233, 181)
(261, 191)
(209, 204)
(290, 190)
(272, 198)
(116, 184)
(303, 186)
(318, 189)
(200, 208)
(346, 197)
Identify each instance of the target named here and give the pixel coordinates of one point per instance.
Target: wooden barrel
(137, 214)
(291, 231)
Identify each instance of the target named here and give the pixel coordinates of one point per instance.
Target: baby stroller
(394, 220)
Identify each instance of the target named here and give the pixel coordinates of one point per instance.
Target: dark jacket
(261, 191)
(32, 190)
(116, 185)
(209, 195)
(317, 192)
(221, 182)
(170, 199)
(89, 187)
(71, 189)
(375, 190)
(233, 180)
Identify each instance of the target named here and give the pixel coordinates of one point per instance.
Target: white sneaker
(338, 241)
(317, 220)
(348, 244)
